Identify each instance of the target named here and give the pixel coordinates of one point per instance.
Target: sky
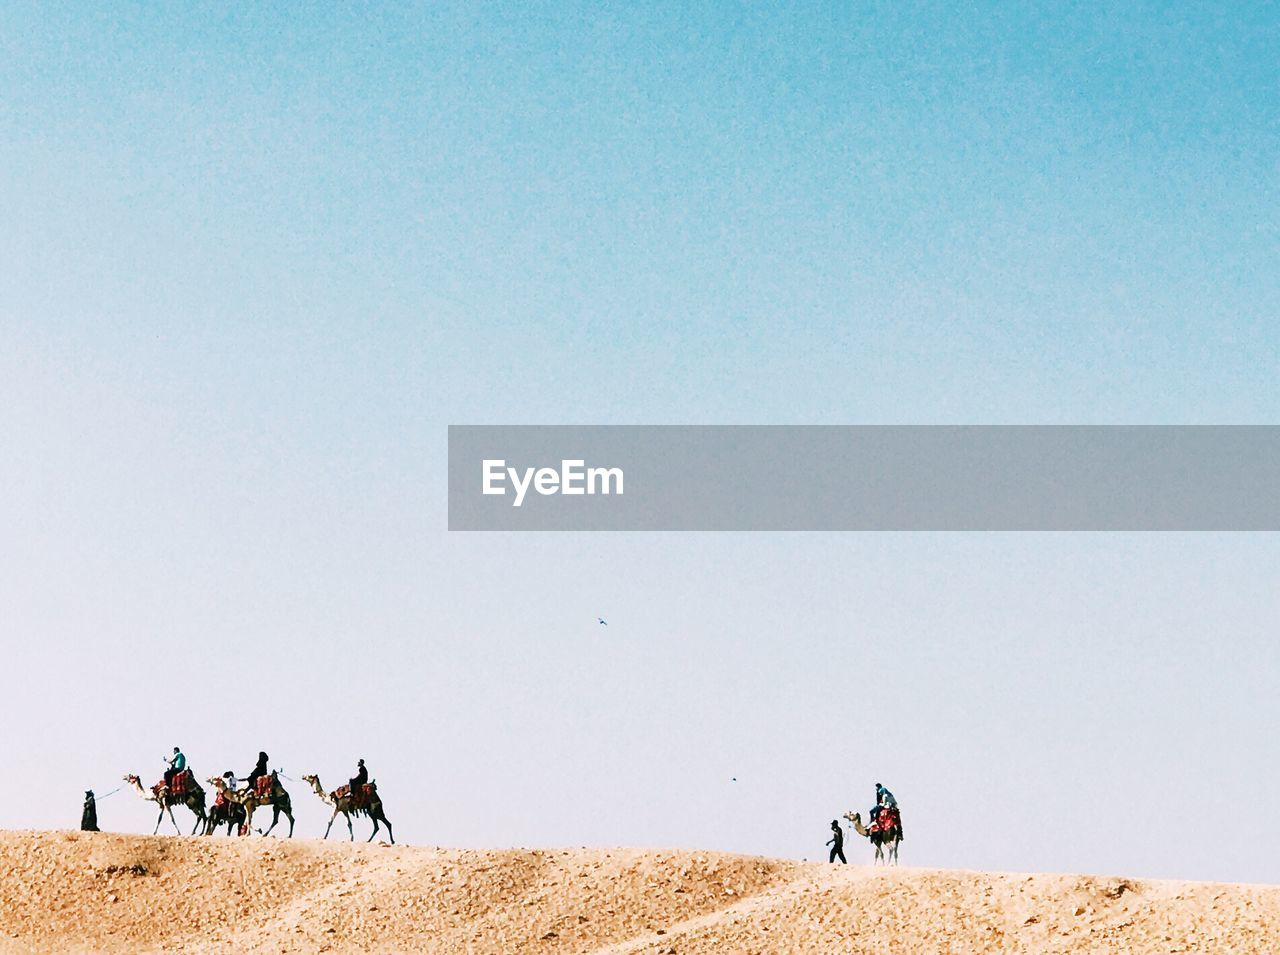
(253, 262)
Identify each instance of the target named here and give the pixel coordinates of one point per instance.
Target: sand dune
(69, 891)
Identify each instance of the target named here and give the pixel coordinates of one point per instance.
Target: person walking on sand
(837, 842)
(89, 816)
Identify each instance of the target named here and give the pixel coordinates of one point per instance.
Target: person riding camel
(884, 800)
(358, 780)
(231, 783)
(259, 771)
(177, 763)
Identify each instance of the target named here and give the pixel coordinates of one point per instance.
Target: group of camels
(236, 807)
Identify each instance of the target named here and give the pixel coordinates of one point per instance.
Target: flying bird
(603, 622)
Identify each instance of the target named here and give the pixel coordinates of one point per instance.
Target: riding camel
(881, 838)
(228, 812)
(277, 798)
(346, 805)
(193, 799)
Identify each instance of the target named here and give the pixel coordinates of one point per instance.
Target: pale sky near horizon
(253, 263)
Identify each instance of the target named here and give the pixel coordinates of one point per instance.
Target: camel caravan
(234, 805)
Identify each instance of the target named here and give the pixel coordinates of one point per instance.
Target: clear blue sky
(252, 263)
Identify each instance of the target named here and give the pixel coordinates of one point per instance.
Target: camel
(228, 812)
(880, 839)
(278, 799)
(344, 804)
(193, 800)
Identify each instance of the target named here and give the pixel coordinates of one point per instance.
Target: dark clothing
(358, 780)
(837, 845)
(89, 817)
(259, 770)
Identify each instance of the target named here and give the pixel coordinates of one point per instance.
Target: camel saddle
(262, 785)
(176, 788)
(887, 819)
(360, 799)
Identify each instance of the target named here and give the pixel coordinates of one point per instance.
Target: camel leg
(351, 832)
(390, 835)
(276, 810)
(176, 830)
(330, 826)
(159, 819)
(375, 828)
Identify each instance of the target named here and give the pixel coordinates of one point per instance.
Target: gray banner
(884, 478)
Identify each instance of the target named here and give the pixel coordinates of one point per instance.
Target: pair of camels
(236, 808)
(881, 839)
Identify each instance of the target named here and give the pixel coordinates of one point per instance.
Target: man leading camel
(837, 842)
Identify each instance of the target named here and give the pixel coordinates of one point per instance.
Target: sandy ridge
(77, 892)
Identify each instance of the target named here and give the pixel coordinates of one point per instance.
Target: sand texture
(80, 892)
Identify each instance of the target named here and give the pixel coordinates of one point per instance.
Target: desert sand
(103, 892)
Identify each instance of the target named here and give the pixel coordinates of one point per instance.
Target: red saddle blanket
(886, 820)
(360, 799)
(262, 786)
(178, 787)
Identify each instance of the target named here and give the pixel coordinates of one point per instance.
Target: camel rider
(884, 800)
(259, 770)
(232, 783)
(358, 780)
(177, 763)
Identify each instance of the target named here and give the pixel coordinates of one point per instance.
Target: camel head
(312, 780)
(217, 782)
(856, 819)
(153, 795)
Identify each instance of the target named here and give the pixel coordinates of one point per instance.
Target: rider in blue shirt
(884, 800)
(177, 763)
